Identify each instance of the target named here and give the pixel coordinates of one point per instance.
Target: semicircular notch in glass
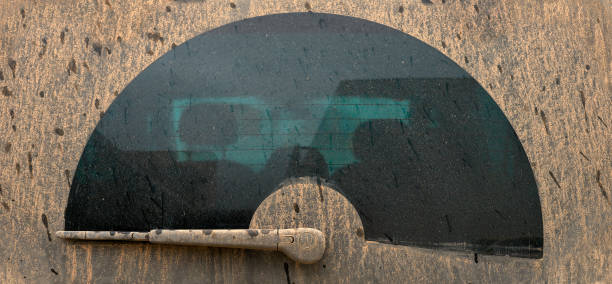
(201, 136)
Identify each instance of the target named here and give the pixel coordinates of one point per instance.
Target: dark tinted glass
(204, 134)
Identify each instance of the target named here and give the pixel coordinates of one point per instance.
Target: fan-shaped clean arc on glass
(200, 137)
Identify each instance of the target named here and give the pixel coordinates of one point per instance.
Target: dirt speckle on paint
(12, 113)
(400, 9)
(119, 39)
(443, 44)
(54, 272)
(59, 131)
(307, 6)
(41, 94)
(22, 12)
(97, 103)
(149, 52)
(232, 5)
(7, 147)
(62, 36)
(499, 68)
(476, 8)
(427, 2)
(168, 9)
(1, 76)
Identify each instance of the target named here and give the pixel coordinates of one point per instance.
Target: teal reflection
(263, 127)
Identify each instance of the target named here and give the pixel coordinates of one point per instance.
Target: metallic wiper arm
(303, 245)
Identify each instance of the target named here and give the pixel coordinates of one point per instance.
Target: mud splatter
(30, 167)
(286, 266)
(545, 121)
(97, 47)
(67, 174)
(44, 47)
(59, 131)
(359, 232)
(584, 156)
(554, 179)
(601, 188)
(599, 117)
(155, 37)
(6, 92)
(296, 207)
(46, 224)
(320, 188)
(13, 65)
(253, 233)
(72, 67)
